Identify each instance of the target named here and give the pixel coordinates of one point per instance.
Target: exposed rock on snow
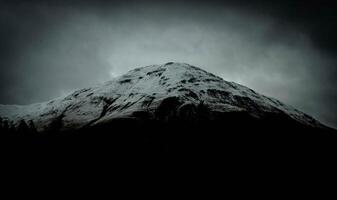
(153, 92)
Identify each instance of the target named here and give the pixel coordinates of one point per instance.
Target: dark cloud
(318, 19)
(285, 49)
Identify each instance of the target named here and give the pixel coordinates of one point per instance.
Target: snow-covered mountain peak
(154, 92)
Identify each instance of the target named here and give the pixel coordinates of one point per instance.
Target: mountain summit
(170, 109)
(173, 91)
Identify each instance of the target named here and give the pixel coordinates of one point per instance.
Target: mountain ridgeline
(163, 109)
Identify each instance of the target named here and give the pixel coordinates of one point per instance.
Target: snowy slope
(143, 90)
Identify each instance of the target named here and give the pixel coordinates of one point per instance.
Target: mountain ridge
(140, 92)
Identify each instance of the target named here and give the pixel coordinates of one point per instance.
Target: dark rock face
(168, 108)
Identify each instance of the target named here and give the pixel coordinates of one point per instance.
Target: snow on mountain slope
(141, 92)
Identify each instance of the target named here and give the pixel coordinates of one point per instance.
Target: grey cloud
(57, 49)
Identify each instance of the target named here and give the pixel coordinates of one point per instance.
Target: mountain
(170, 107)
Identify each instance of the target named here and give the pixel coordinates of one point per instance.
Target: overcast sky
(285, 49)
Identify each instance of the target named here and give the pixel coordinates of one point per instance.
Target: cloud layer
(52, 49)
